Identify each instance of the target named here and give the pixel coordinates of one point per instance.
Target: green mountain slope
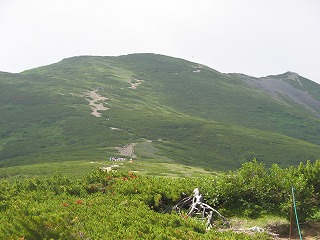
(185, 112)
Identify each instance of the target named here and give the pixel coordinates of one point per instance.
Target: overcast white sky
(254, 37)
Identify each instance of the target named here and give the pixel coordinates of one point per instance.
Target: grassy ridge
(225, 98)
(192, 114)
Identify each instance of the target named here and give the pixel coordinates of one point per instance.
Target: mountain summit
(289, 88)
(168, 109)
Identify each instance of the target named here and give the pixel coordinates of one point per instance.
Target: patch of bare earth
(127, 150)
(279, 88)
(310, 231)
(134, 83)
(96, 103)
(280, 230)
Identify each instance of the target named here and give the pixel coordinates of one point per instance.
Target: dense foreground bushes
(254, 190)
(129, 206)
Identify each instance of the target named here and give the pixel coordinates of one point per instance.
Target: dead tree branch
(196, 206)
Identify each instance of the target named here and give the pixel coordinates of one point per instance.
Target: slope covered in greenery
(125, 205)
(187, 113)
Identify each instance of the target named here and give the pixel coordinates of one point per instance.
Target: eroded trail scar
(127, 150)
(96, 102)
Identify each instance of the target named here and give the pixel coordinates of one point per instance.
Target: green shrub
(253, 189)
(124, 205)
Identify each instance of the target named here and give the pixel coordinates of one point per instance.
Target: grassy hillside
(184, 112)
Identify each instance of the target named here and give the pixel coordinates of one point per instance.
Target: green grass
(263, 222)
(207, 119)
(81, 168)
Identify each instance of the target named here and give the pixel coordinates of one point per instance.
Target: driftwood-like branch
(196, 206)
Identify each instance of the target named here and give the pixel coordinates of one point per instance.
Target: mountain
(165, 109)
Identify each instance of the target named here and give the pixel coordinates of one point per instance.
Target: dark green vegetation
(125, 205)
(186, 120)
(193, 115)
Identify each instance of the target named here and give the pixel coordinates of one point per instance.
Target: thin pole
(295, 211)
(291, 210)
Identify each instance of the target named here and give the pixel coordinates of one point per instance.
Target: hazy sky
(254, 37)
